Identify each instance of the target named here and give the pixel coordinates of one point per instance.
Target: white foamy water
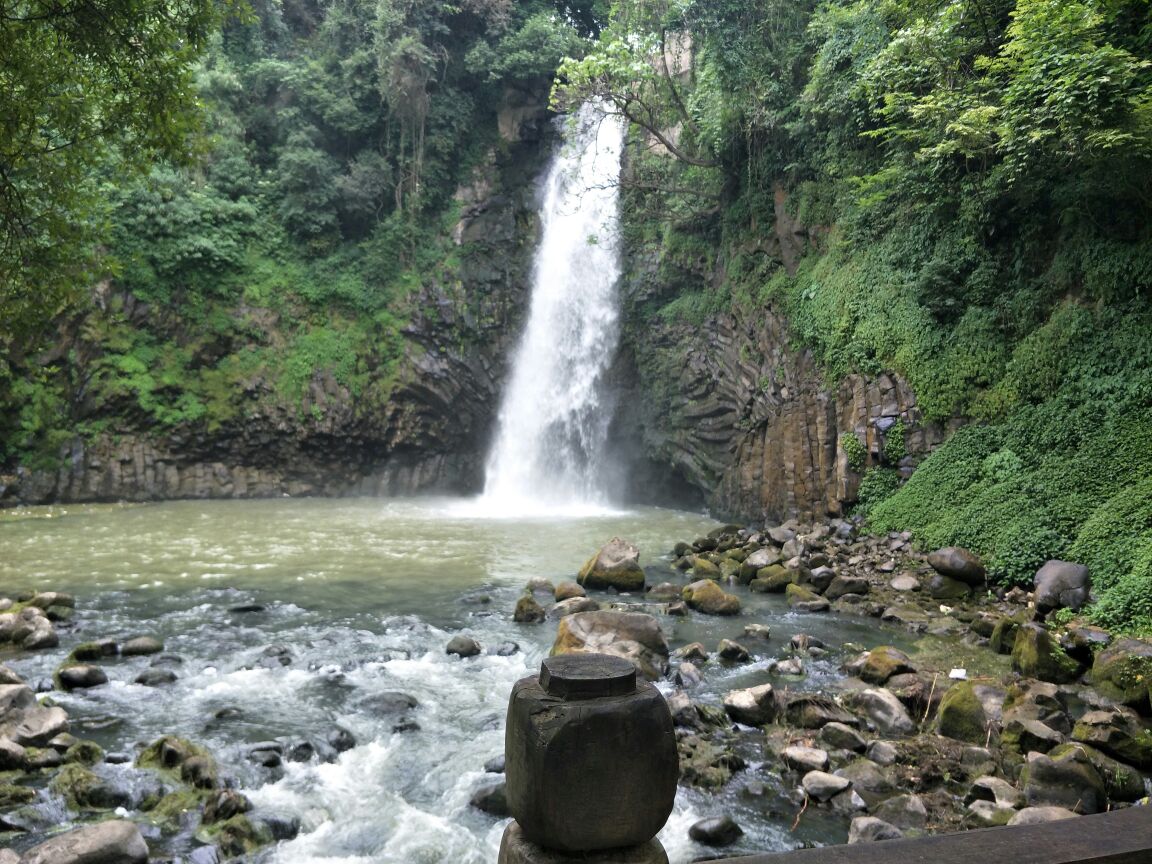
(347, 601)
(549, 451)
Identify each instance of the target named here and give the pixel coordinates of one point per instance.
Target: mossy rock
(1122, 782)
(12, 795)
(1036, 655)
(86, 652)
(239, 835)
(616, 565)
(799, 594)
(706, 596)
(168, 753)
(883, 662)
(77, 785)
(961, 714)
(1123, 672)
(774, 579)
(172, 810)
(1003, 637)
(705, 569)
(84, 753)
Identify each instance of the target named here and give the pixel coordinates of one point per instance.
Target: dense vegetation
(977, 177)
(273, 194)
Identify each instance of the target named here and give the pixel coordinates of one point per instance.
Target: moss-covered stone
(175, 809)
(1003, 636)
(1123, 672)
(1122, 782)
(1036, 655)
(84, 753)
(883, 662)
(706, 596)
(168, 753)
(76, 784)
(239, 835)
(961, 715)
(705, 569)
(12, 795)
(616, 565)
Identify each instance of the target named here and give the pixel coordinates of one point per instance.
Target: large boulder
(114, 842)
(26, 721)
(958, 563)
(1036, 655)
(708, 597)
(1118, 734)
(882, 709)
(616, 565)
(1061, 585)
(882, 662)
(753, 706)
(1123, 671)
(631, 635)
(971, 712)
(1070, 781)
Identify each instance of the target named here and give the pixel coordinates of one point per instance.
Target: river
(358, 597)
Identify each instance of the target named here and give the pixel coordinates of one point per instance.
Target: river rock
(634, 636)
(1037, 815)
(571, 606)
(941, 587)
(994, 789)
(732, 652)
(222, 804)
(704, 568)
(1036, 655)
(709, 598)
(568, 589)
(801, 599)
(616, 565)
(692, 651)
(751, 566)
(837, 736)
(1117, 734)
(7, 856)
(821, 785)
(716, 831)
(872, 782)
(958, 563)
(155, 677)
(1121, 781)
(665, 592)
(882, 663)
(492, 798)
(1069, 781)
(13, 756)
(883, 710)
(804, 759)
(688, 675)
(463, 646)
(869, 829)
(113, 842)
(971, 712)
(904, 582)
(812, 711)
(758, 631)
(1123, 672)
(1024, 735)
(26, 721)
(753, 706)
(844, 585)
(906, 812)
(7, 676)
(140, 646)
(1061, 585)
(882, 753)
(528, 611)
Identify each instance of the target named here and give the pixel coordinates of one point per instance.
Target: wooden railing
(1121, 837)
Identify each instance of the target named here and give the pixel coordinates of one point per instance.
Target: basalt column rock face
(742, 414)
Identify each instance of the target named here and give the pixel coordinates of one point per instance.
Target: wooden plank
(1122, 837)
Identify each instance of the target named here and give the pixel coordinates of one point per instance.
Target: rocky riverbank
(936, 731)
(1004, 717)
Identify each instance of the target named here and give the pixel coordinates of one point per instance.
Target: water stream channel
(288, 619)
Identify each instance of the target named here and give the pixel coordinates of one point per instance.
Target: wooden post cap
(587, 676)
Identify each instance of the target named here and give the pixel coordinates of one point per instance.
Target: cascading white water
(549, 451)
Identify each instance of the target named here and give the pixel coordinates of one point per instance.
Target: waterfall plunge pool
(364, 594)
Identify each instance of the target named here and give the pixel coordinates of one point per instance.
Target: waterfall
(549, 450)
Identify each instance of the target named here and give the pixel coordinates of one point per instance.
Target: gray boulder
(958, 563)
(869, 829)
(716, 831)
(113, 842)
(26, 721)
(753, 706)
(634, 636)
(616, 565)
(1061, 585)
